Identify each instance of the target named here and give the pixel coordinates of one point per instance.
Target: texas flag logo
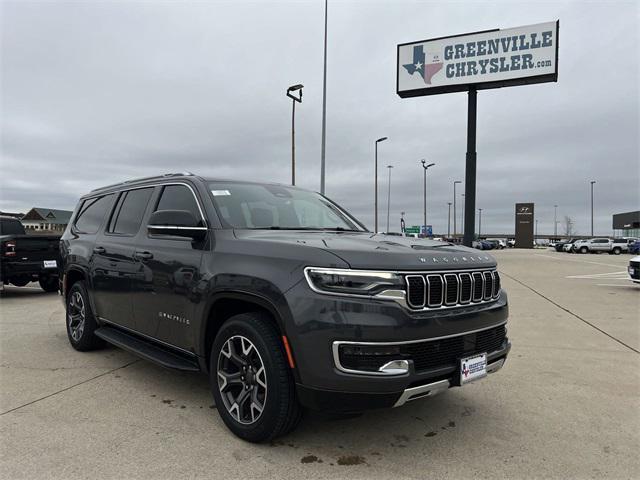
(465, 370)
(425, 65)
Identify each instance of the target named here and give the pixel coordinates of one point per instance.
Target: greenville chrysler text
(280, 296)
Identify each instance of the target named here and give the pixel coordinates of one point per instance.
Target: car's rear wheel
(81, 322)
(617, 251)
(49, 284)
(251, 380)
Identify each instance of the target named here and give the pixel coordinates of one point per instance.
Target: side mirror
(179, 223)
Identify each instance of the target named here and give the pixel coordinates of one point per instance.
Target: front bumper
(318, 321)
(355, 402)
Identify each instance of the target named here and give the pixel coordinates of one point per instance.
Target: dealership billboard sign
(488, 59)
(524, 225)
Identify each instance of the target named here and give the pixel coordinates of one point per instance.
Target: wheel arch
(223, 306)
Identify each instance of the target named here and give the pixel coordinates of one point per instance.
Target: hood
(365, 250)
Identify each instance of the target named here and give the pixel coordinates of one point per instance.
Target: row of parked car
(612, 246)
(492, 244)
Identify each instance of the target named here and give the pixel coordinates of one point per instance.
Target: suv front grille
(446, 352)
(438, 290)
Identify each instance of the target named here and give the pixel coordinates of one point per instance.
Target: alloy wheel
(242, 379)
(76, 316)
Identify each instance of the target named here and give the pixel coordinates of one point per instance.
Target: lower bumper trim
(434, 388)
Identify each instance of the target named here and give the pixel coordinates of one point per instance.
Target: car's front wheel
(251, 380)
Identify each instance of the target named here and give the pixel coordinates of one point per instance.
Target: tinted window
(11, 227)
(130, 210)
(92, 213)
(178, 197)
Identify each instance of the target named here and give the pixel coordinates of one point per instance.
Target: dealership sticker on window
(220, 193)
(50, 264)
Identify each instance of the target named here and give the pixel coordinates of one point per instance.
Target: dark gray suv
(280, 296)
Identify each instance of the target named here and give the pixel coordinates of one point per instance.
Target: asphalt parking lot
(566, 404)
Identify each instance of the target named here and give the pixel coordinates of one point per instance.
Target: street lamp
(449, 221)
(592, 182)
(424, 210)
(375, 181)
(294, 99)
(389, 167)
(555, 220)
(479, 222)
(536, 236)
(454, 206)
(463, 202)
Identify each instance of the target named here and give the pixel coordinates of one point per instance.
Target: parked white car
(567, 247)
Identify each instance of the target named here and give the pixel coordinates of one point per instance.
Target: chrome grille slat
(450, 289)
(418, 299)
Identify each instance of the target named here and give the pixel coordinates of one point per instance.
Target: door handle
(143, 255)
(99, 250)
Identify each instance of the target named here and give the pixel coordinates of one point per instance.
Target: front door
(166, 300)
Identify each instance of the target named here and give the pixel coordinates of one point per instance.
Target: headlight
(352, 282)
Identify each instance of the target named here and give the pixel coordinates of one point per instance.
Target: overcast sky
(98, 92)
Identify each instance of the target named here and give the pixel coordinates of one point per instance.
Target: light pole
(592, 182)
(536, 236)
(479, 222)
(375, 181)
(294, 88)
(454, 206)
(449, 221)
(389, 167)
(324, 102)
(555, 220)
(424, 210)
(463, 222)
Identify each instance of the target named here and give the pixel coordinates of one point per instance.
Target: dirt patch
(310, 459)
(351, 460)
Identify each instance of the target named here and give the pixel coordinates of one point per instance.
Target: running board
(147, 350)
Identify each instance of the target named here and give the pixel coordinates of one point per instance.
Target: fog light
(380, 359)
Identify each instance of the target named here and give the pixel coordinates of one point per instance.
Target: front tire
(584, 250)
(251, 380)
(81, 322)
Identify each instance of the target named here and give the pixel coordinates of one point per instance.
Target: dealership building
(627, 224)
(46, 219)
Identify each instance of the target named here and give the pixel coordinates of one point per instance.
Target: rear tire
(617, 251)
(251, 380)
(49, 284)
(80, 320)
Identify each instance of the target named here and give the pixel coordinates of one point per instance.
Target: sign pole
(470, 172)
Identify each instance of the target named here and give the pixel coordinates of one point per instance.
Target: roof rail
(141, 179)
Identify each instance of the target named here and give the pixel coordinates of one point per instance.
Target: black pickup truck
(27, 258)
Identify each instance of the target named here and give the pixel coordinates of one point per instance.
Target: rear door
(114, 269)
(166, 298)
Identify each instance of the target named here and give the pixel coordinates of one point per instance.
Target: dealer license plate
(473, 368)
(631, 271)
(50, 264)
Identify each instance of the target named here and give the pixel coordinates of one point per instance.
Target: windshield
(253, 206)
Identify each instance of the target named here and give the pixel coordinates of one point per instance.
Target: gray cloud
(93, 93)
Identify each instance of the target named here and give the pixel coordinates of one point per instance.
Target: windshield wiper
(338, 229)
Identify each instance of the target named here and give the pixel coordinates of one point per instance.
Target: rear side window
(128, 214)
(92, 213)
(178, 197)
(11, 227)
